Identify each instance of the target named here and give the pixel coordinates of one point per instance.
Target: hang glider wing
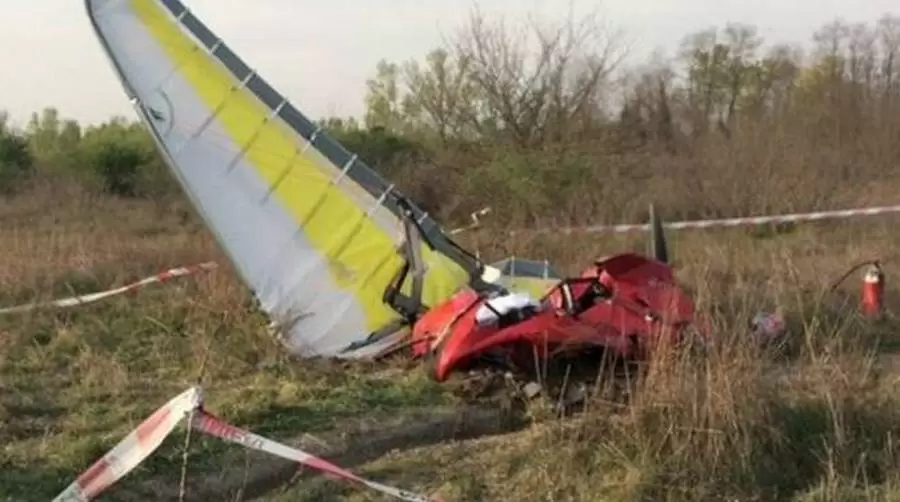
(309, 227)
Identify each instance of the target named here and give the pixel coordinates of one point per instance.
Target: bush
(123, 159)
(117, 164)
(16, 162)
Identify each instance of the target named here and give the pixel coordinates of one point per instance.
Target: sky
(319, 54)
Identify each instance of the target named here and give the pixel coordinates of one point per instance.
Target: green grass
(815, 419)
(83, 380)
(74, 382)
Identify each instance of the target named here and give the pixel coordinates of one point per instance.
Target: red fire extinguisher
(873, 290)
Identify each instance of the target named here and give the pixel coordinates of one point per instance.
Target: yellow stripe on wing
(350, 258)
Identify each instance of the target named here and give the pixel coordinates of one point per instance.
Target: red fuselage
(624, 304)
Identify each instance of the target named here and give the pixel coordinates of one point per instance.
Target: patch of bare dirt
(356, 444)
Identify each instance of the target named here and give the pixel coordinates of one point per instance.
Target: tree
(888, 32)
(537, 83)
(53, 140)
(442, 97)
(525, 86)
(16, 162)
(122, 156)
(384, 105)
(647, 111)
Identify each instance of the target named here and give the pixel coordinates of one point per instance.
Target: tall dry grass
(832, 149)
(813, 418)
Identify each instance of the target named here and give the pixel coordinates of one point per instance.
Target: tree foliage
(542, 120)
(15, 160)
(522, 85)
(117, 157)
(122, 157)
(724, 106)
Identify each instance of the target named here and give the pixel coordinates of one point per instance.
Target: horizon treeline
(544, 123)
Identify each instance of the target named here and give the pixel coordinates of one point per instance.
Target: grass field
(814, 418)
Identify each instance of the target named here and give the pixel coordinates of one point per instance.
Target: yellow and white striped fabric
(311, 229)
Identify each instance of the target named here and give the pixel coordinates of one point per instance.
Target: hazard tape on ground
(144, 440)
(75, 301)
(725, 222)
(132, 450)
(213, 426)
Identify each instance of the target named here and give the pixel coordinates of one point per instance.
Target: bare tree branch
(537, 83)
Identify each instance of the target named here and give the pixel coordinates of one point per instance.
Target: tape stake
(212, 425)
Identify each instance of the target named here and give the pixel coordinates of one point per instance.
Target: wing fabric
(309, 227)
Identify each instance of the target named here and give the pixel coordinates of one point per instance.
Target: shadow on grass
(27, 483)
(350, 448)
(778, 442)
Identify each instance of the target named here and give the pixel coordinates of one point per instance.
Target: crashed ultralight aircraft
(344, 265)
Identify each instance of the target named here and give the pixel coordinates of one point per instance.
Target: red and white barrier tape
(727, 222)
(144, 440)
(205, 422)
(94, 297)
(132, 450)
